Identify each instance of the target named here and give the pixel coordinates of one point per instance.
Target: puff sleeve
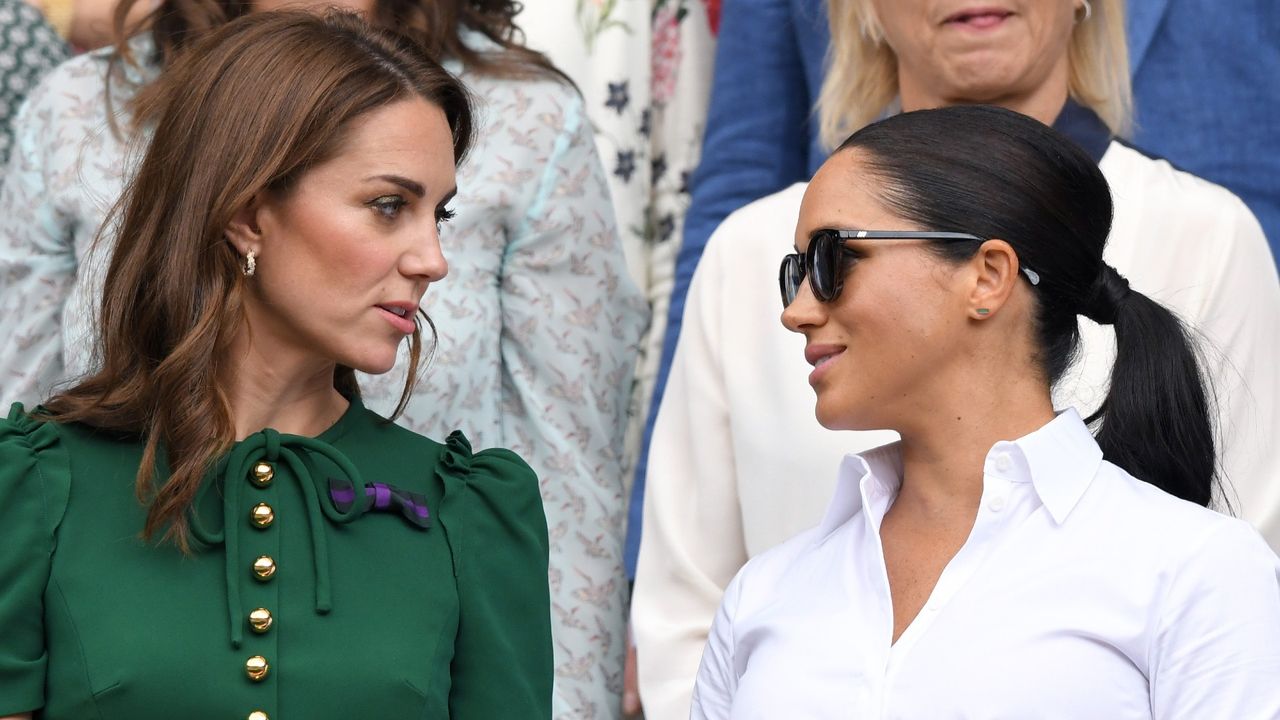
(492, 513)
(35, 479)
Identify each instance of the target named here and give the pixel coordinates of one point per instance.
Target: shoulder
(35, 471)
(1131, 170)
(1181, 239)
(767, 577)
(1173, 535)
(760, 231)
(495, 481)
(539, 91)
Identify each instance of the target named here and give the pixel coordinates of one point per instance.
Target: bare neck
(943, 452)
(294, 395)
(1044, 103)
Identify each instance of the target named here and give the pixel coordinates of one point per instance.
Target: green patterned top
(367, 572)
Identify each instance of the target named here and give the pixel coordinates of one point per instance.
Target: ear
(995, 268)
(244, 231)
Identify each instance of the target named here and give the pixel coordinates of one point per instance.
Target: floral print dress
(539, 321)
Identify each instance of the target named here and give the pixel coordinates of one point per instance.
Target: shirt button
(256, 668)
(1003, 463)
(260, 620)
(996, 504)
(264, 568)
(262, 474)
(258, 715)
(262, 516)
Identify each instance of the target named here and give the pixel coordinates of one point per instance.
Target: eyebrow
(404, 182)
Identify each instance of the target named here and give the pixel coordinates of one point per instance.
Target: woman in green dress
(211, 525)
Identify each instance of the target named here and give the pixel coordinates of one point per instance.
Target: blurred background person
(277, 235)
(1000, 560)
(738, 462)
(29, 48)
(539, 326)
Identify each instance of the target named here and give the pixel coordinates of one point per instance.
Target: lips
(817, 355)
(400, 315)
(978, 18)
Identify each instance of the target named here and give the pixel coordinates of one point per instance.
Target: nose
(804, 312)
(425, 260)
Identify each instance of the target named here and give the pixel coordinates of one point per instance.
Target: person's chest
(348, 619)
(1024, 629)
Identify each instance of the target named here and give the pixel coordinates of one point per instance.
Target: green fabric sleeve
(35, 480)
(502, 664)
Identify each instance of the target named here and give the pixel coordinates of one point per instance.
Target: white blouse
(1081, 592)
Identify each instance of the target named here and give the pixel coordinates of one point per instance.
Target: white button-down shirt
(1081, 592)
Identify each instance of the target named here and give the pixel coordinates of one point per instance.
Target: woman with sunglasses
(539, 323)
(1000, 560)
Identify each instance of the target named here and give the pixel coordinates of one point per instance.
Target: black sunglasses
(827, 260)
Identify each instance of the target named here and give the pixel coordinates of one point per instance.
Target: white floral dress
(539, 321)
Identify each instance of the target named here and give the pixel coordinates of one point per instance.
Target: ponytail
(1155, 422)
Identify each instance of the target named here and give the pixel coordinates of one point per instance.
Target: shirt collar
(1060, 460)
(1085, 128)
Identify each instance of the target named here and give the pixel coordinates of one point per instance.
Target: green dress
(365, 573)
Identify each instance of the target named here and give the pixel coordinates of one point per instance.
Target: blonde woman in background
(738, 462)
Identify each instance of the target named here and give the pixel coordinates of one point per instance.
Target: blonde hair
(862, 76)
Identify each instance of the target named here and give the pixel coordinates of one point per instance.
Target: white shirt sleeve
(1240, 318)
(717, 679)
(693, 537)
(1206, 663)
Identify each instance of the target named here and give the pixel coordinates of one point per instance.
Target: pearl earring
(250, 263)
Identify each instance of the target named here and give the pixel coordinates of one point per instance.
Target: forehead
(409, 137)
(844, 195)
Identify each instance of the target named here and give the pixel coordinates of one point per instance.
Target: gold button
(258, 715)
(260, 620)
(256, 668)
(262, 474)
(264, 567)
(262, 515)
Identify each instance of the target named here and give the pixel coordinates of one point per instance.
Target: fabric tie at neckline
(271, 446)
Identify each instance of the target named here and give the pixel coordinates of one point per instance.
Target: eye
(387, 206)
(443, 215)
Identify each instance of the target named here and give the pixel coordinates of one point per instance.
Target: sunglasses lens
(824, 265)
(790, 278)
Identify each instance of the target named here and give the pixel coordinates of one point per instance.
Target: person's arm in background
(760, 136)
(1241, 321)
(37, 255)
(571, 324)
(693, 541)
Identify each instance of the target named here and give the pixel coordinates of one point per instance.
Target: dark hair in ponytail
(999, 174)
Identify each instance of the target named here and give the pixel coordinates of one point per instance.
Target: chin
(372, 363)
(843, 416)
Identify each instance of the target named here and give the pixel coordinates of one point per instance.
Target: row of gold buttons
(261, 516)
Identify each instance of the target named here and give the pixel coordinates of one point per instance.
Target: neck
(944, 452)
(1044, 102)
(267, 389)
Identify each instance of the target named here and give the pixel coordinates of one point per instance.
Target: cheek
(331, 256)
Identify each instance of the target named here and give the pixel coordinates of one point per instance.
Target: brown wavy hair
(436, 25)
(253, 106)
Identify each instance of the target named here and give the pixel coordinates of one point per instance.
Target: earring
(1088, 12)
(984, 311)
(250, 263)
